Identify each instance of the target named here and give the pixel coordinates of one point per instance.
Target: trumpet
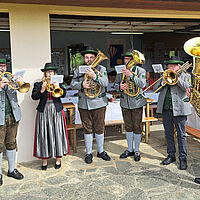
(15, 85)
(54, 89)
(169, 77)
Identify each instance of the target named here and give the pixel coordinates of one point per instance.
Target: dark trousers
(93, 121)
(168, 121)
(8, 134)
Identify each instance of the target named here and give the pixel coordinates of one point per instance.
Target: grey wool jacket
(132, 102)
(180, 101)
(12, 96)
(84, 101)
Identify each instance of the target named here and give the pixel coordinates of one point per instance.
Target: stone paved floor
(116, 179)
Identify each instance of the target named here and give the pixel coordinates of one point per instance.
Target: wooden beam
(180, 5)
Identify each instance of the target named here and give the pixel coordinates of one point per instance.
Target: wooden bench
(193, 131)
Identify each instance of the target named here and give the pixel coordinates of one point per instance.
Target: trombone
(169, 77)
(15, 85)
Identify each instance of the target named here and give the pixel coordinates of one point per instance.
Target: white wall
(30, 49)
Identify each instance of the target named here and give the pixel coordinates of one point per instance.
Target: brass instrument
(170, 77)
(13, 84)
(94, 88)
(55, 90)
(192, 47)
(132, 89)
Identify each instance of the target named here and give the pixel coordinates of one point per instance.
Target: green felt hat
(49, 66)
(2, 59)
(174, 60)
(89, 50)
(128, 53)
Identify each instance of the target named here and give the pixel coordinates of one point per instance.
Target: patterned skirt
(51, 138)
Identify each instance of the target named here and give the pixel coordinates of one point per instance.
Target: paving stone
(135, 194)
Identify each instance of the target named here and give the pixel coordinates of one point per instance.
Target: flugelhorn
(15, 85)
(55, 90)
(192, 47)
(94, 88)
(138, 58)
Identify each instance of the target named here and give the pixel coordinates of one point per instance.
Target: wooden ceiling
(182, 5)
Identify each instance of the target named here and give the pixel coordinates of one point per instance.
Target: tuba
(56, 91)
(132, 89)
(94, 89)
(192, 47)
(13, 84)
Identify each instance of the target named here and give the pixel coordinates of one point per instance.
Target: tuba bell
(192, 47)
(94, 88)
(13, 84)
(138, 58)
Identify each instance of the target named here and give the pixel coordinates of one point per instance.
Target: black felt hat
(89, 50)
(49, 66)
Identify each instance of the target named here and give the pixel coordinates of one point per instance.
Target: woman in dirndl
(51, 138)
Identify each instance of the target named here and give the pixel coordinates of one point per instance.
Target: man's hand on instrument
(44, 85)
(123, 86)
(91, 73)
(3, 82)
(86, 84)
(126, 72)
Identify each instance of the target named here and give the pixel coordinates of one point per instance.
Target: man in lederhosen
(10, 116)
(132, 107)
(174, 105)
(92, 110)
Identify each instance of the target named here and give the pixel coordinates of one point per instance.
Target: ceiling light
(4, 30)
(126, 33)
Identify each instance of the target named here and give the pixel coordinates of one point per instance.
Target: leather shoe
(168, 160)
(88, 158)
(183, 165)
(1, 179)
(197, 180)
(137, 156)
(58, 166)
(44, 167)
(104, 156)
(15, 174)
(126, 154)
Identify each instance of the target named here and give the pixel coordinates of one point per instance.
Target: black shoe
(44, 167)
(197, 180)
(183, 165)
(168, 160)
(137, 156)
(88, 158)
(104, 156)
(1, 179)
(126, 154)
(15, 174)
(58, 166)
